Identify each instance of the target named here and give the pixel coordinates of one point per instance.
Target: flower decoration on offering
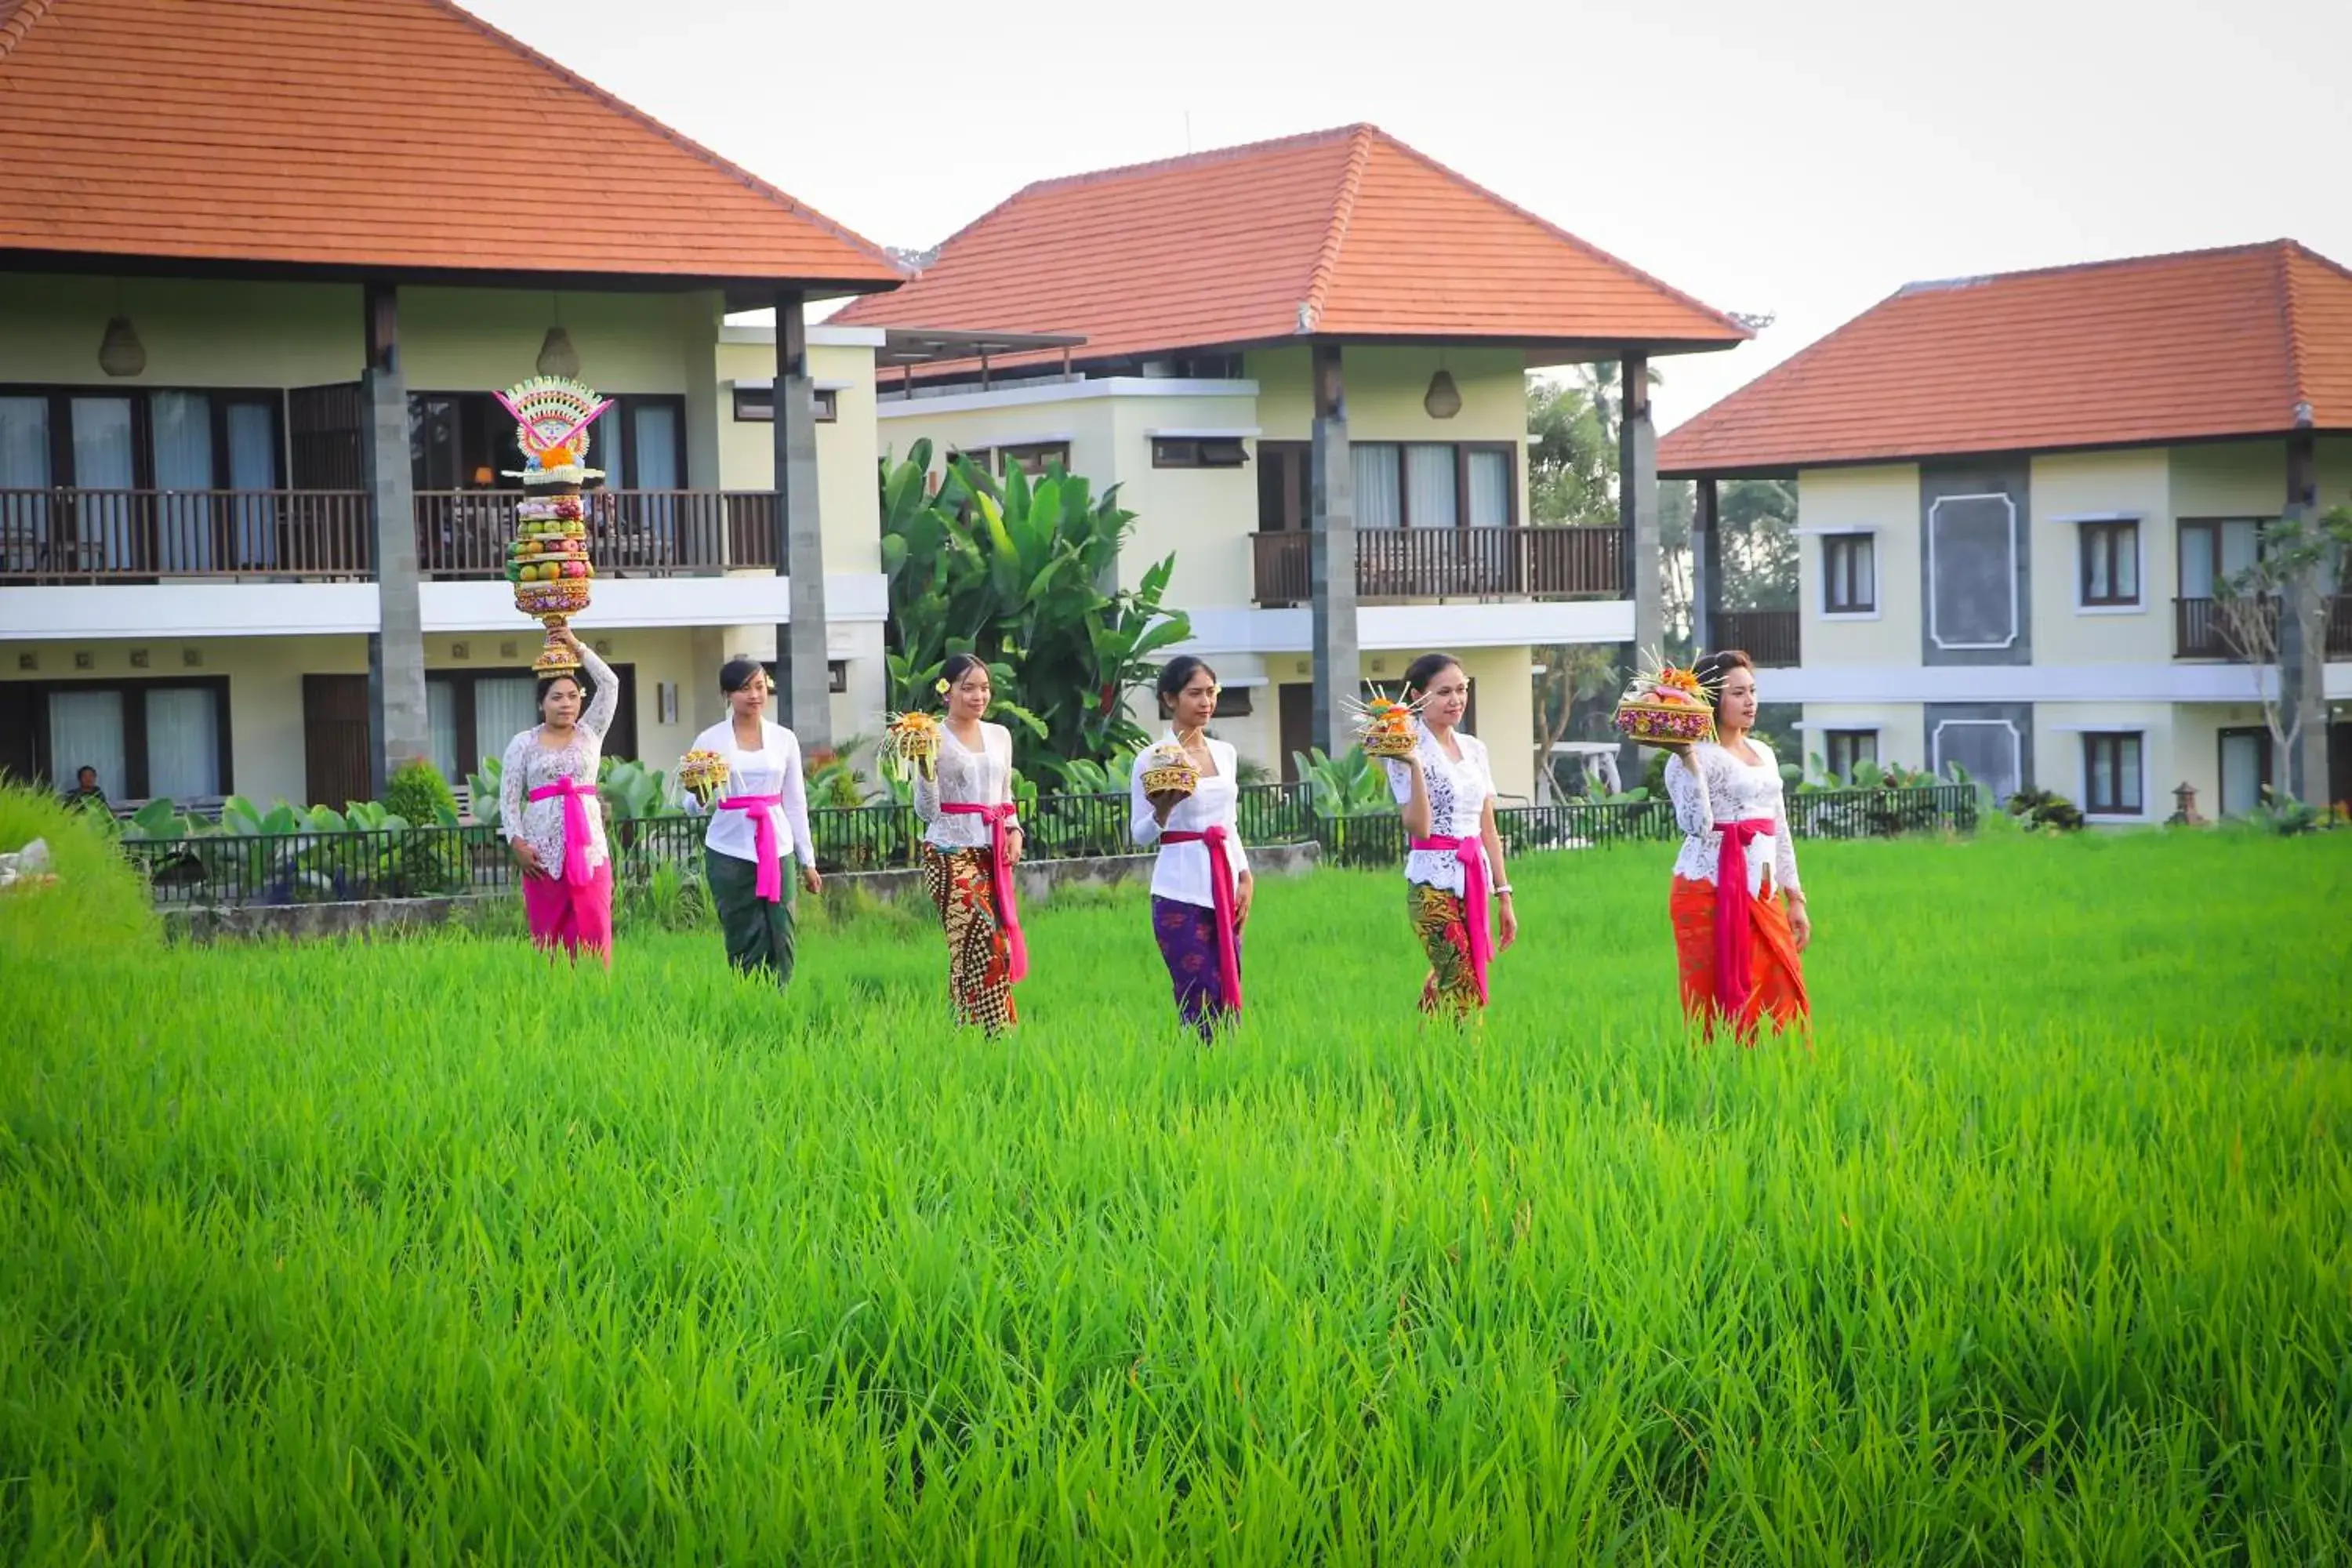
(1386, 727)
(911, 739)
(1666, 706)
(1167, 771)
(704, 773)
(547, 561)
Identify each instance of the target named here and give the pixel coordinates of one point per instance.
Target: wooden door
(1297, 701)
(338, 740)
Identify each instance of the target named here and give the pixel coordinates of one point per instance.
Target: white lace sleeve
(607, 699)
(796, 808)
(1687, 787)
(927, 795)
(1784, 846)
(1143, 824)
(511, 786)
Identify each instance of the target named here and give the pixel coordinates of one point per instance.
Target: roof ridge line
(1578, 241)
(2061, 268)
(1335, 235)
(17, 19)
(1793, 368)
(677, 139)
(2298, 395)
(1185, 160)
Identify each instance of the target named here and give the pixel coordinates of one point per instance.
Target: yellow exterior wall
(846, 448)
(1886, 499)
(2075, 483)
(2194, 750)
(1901, 728)
(1501, 683)
(1203, 517)
(2230, 478)
(2058, 729)
(267, 757)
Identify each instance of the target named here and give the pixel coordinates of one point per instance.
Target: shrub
(98, 899)
(2045, 809)
(419, 796)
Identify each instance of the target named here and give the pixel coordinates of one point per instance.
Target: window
(1432, 484)
(836, 677)
(2214, 549)
(2110, 565)
(1202, 452)
(1234, 702)
(471, 714)
(757, 404)
(1849, 575)
(2111, 785)
(1285, 502)
(1034, 458)
(2246, 770)
(145, 738)
(1845, 748)
(980, 457)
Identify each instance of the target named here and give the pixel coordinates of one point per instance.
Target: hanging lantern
(556, 354)
(120, 352)
(1443, 399)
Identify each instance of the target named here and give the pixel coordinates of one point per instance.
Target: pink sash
(1470, 854)
(1735, 940)
(1221, 887)
(1008, 914)
(576, 825)
(770, 886)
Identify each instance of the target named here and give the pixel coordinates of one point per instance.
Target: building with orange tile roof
(2017, 494)
(1305, 361)
(264, 264)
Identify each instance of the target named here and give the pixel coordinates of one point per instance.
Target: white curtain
(1379, 498)
(441, 724)
(86, 731)
(1428, 485)
(183, 462)
(2242, 773)
(1490, 490)
(656, 427)
(503, 709)
(24, 466)
(2236, 542)
(184, 742)
(102, 449)
(253, 466)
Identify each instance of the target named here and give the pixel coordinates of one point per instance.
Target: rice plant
(425, 1251)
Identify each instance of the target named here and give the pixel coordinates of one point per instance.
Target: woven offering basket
(1172, 776)
(1655, 724)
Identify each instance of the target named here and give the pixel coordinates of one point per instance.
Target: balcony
(99, 536)
(2200, 630)
(1490, 563)
(631, 533)
(1768, 637)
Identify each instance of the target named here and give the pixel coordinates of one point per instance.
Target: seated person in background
(85, 791)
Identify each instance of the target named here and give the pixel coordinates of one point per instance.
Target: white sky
(1800, 159)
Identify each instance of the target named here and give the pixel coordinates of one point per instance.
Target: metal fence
(306, 868)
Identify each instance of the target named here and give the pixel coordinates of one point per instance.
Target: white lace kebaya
(1715, 787)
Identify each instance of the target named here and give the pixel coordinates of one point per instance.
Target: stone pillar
(801, 642)
(396, 710)
(1637, 515)
(1706, 564)
(1332, 556)
(2302, 661)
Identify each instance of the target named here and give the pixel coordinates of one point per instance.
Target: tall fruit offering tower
(548, 560)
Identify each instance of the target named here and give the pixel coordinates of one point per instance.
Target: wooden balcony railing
(1451, 562)
(2200, 630)
(1770, 637)
(103, 536)
(631, 533)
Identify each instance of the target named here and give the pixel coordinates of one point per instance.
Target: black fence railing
(318, 867)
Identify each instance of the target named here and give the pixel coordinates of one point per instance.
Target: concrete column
(396, 710)
(1332, 556)
(1637, 505)
(801, 642)
(2302, 661)
(1706, 565)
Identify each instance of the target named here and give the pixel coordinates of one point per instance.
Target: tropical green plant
(417, 792)
(635, 793)
(1020, 575)
(482, 790)
(834, 781)
(2045, 809)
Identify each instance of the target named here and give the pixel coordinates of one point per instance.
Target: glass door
(107, 535)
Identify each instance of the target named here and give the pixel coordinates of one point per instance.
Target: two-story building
(1303, 364)
(2015, 497)
(261, 268)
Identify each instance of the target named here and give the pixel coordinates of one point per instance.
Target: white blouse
(1714, 788)
(1458, 793)
(774, 769)
(529, 765)
(1183, 871)
(978, 778)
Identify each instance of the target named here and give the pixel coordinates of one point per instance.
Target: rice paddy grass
(425, 1252)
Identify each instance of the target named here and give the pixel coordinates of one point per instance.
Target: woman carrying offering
(972, 842)
(1186, 797)
(1454, 866)
(547, 802)
(758, 844)
(1738, 948)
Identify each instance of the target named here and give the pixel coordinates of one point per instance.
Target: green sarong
(758, 935)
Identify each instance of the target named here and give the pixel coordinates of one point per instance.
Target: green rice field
(426, 1252)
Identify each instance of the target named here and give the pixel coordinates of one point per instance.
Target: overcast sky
(1803, 160)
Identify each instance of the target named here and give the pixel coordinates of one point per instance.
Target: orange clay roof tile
(2153, 349)
(1346, 233)
(366, 133)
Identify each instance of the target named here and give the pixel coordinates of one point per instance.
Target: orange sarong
(1777, 988)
